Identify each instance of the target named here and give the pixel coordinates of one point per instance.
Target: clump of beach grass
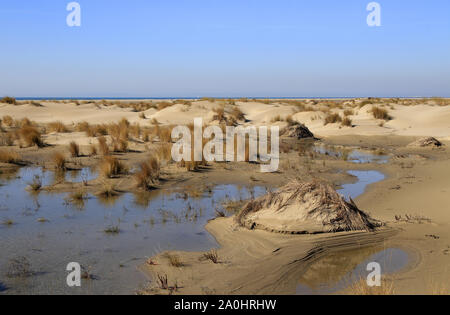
(380, 113)
(30, 136)
(174, 260)
(148, 175)
(103, 146)
(57, 126)
(9, 157)
(332, 119)
(347, 122)
(212, 255)
(8, 121)
(361, 288)
(74, 149)
(59, 160)
(111, 167)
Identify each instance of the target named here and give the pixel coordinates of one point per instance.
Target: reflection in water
(352, 155)
(339, 270)
(50, 232)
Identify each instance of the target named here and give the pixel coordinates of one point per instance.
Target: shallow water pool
(337, 271)
(49, 232)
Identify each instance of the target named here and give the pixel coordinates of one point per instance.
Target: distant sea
(195, 98)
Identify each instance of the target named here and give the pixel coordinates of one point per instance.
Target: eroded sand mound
(305, 208)
(298, 131)
(426, 142)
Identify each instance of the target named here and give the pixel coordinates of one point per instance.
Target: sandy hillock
(305, 208)
(426, 142)
(298, 131)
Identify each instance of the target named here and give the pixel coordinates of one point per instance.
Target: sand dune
(417, 120)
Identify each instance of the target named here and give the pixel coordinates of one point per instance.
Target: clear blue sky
(263, 48)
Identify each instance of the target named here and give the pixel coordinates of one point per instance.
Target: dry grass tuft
(57, 126)
(380, 113)
(9, 157)
(59, 160)
(348, 112)
(30, 136)
(332, 119)
(111, 167)
(347, 122)
(174, 260)
(103, 146)
(211, 255)
(74, 149)
(147, 177)
(361, 288)
(8, 121)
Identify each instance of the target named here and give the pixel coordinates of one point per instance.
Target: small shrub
(8, 100)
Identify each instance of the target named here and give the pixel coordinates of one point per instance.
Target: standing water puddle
(365, 178)
(352, 155)
(337, 271)
(50, 232)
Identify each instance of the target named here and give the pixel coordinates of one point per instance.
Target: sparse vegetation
(380, 113)
(347, 122)
(103, 146)
(361, 288)
(147, 177)
(174, 260)
(332, 119)
(57, 126)
(74, 149)
(19, 267)
(212, 255)
(36, 184)
(59, 160)
(30, 136)
(8, 100)
(111, 167)
(112, 229)
(9, 157)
